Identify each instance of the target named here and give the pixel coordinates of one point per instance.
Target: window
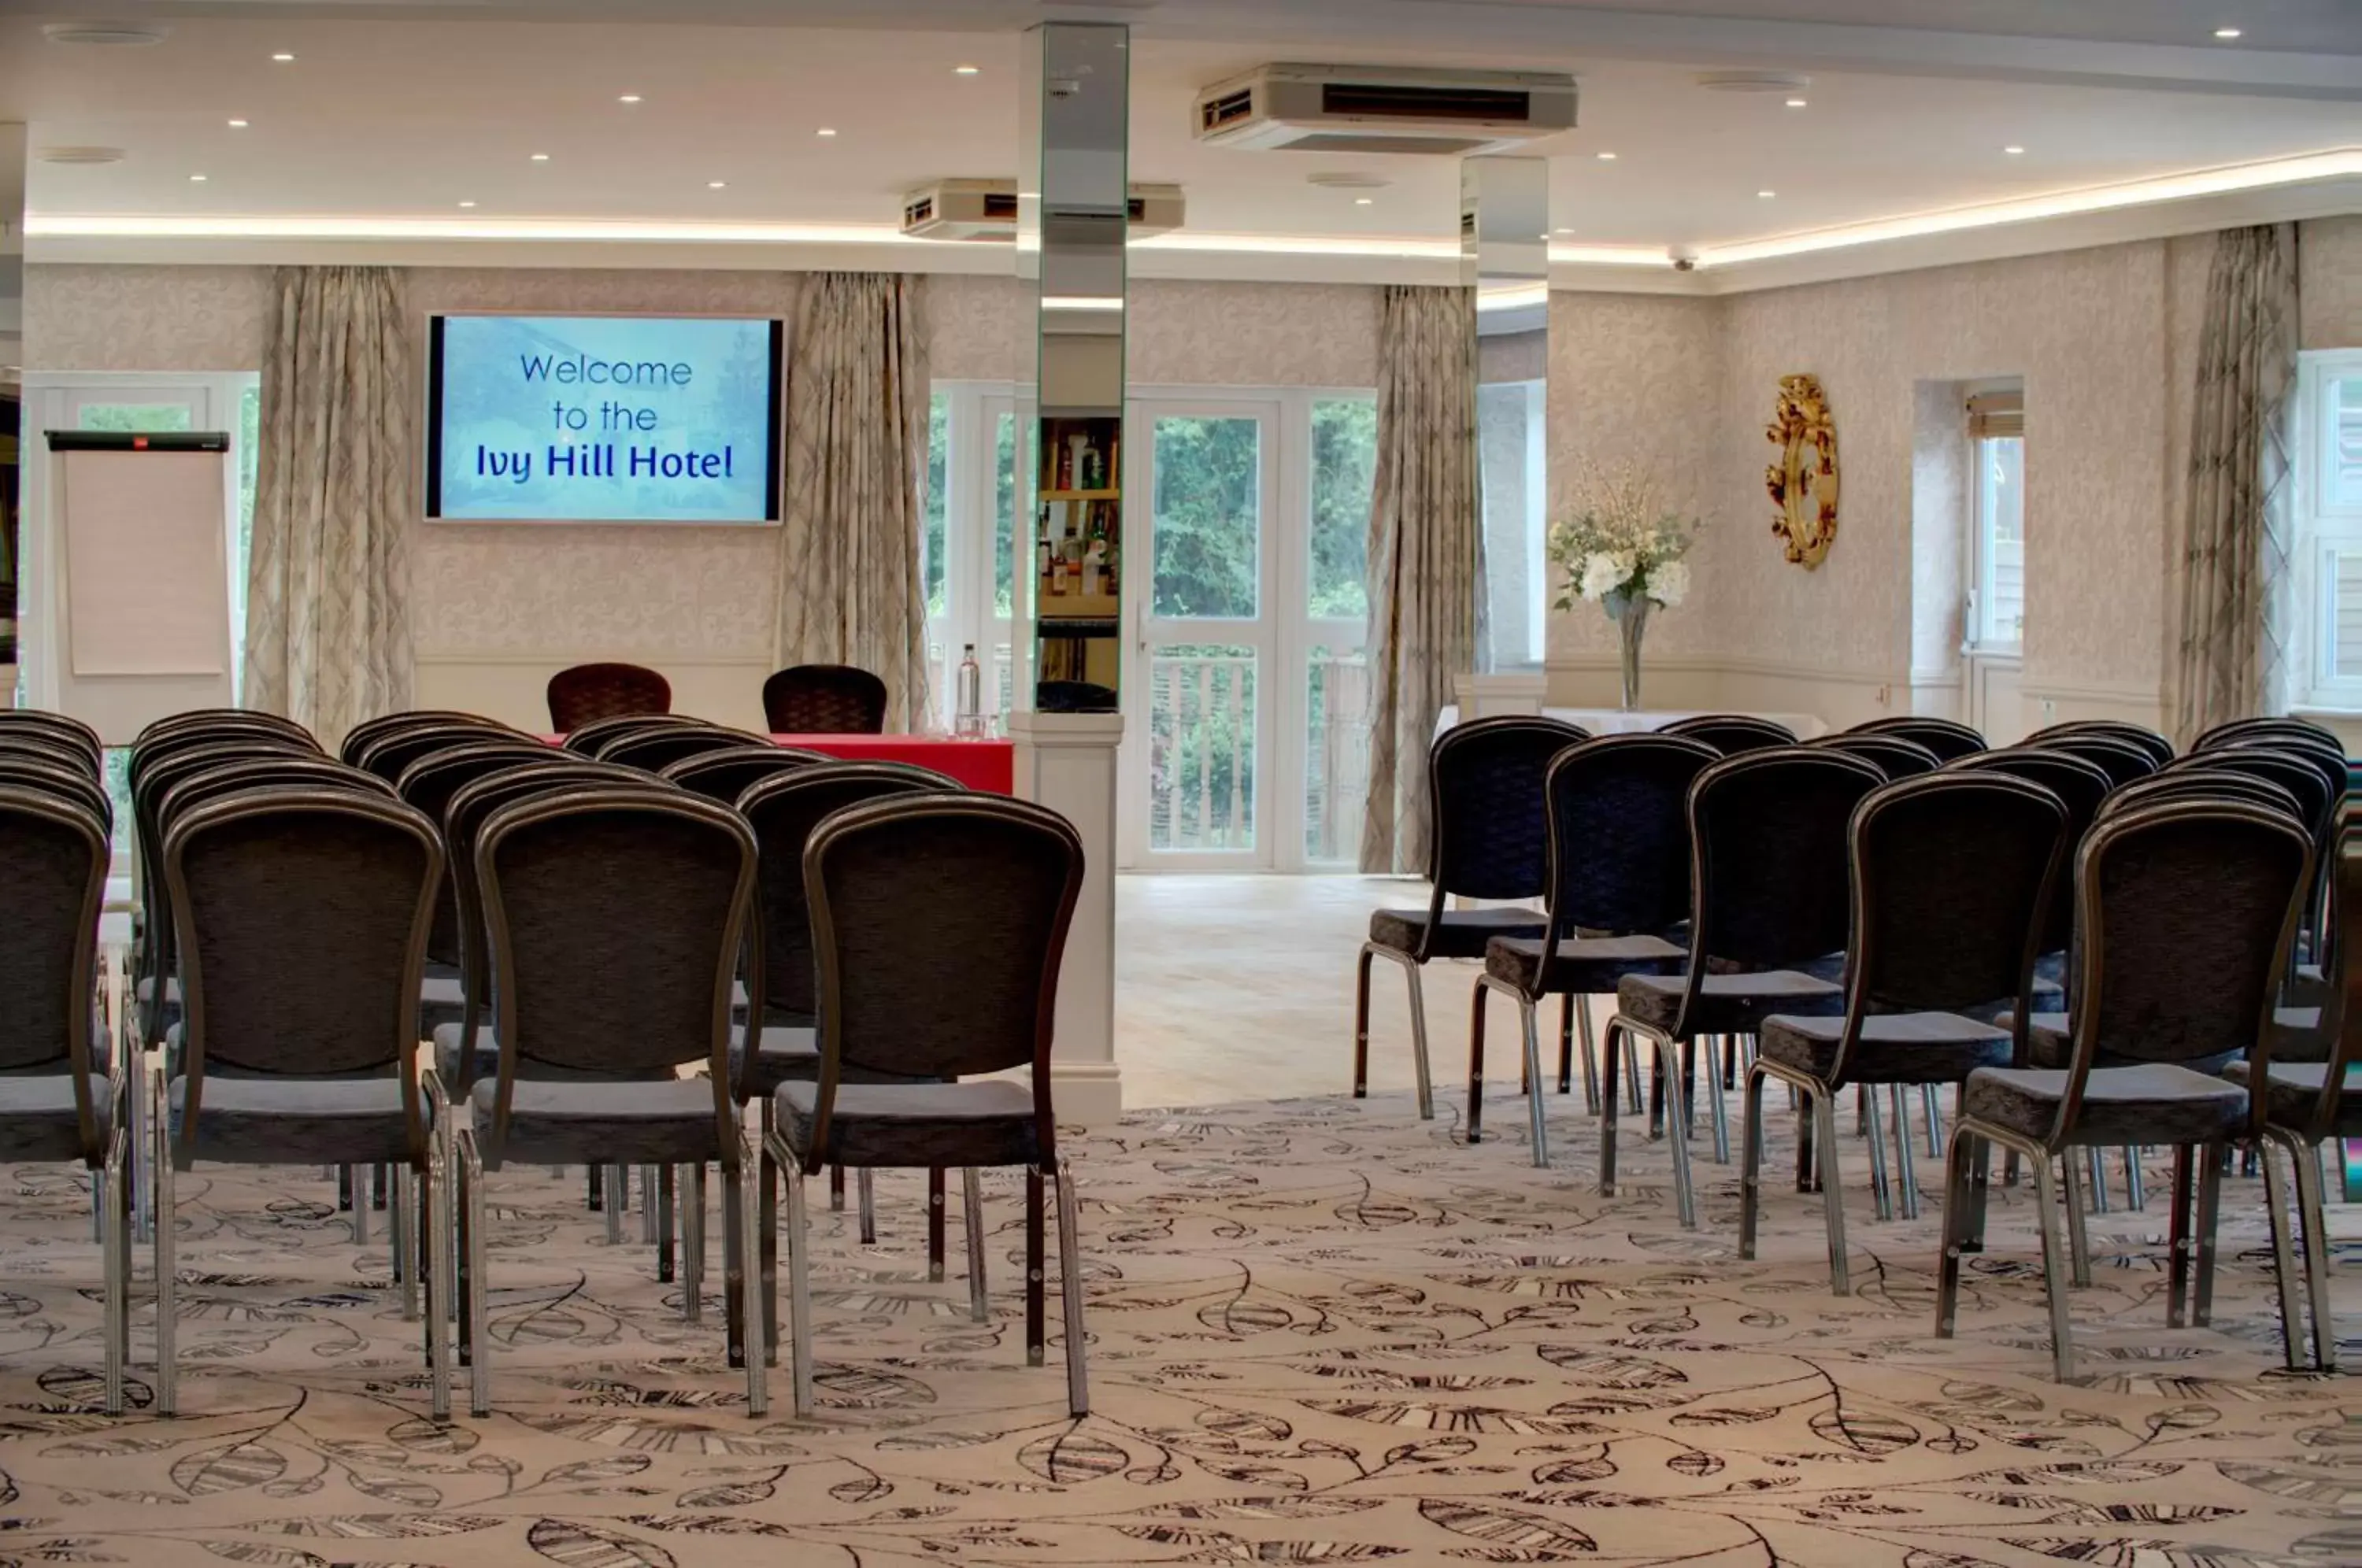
(1996, 618)
(2327, 518)
(1510, 434)
(970, 521)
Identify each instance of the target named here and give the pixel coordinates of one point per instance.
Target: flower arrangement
(1627, 543)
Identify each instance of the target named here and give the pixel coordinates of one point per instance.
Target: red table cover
(990, 766)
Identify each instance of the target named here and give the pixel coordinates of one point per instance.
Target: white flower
(1669, 584)
(1601, 576)
(1627, 564)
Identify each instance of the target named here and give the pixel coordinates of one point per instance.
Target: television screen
(603, 419)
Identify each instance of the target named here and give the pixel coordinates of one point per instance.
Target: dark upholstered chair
(1731, 734)
(214, 720)
(1074, 696)
(616, 915)
(2207, 784)
(2123, 758)
(590, 691)
(586, 741)
(59, 1100)
(1487, 838)
(824, 699)
(390, 755)
(2139, 736)
(1767, 899)
(727, 774)
(2081, 786)
(41, 771)
(24, 724)
(651, 750)
(1618, 879)
(369, 732)
(2239, 732)
(1948, 739)
(301, 917)
(1897, 757)
(2185, 913)
(50, 746)
(2300, 1106)
(1951, 878)
(986, 888)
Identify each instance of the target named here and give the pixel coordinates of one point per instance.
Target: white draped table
(1620, 722)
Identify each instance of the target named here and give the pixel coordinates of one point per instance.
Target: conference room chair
(1895, 755)
(428, 783)
(986, 888)
(2140, 737)
(390, 755)
(63, 1082)
(1731, 734)
(782, 1001)
(302, 918)
(1767, 888)
(727, 774)
(2123, 759)
(41, 769)
(824, 699)
(2318, 782)
(590, 738)
(1950, 879)
(2185, 912)
(589, 691)
(650, 750)
(2237, 731)
(28, 723)
(615, 914)
(1947, 738)
(369, 732)
(2297, 1106)
(220, 718)
(1617, 879)
(55, 749)
(1487, 838)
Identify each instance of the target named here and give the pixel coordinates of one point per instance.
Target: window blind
(1996, 413)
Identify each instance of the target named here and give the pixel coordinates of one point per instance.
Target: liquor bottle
(970, 718)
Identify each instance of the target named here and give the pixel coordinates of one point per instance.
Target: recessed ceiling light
(1607, 157)
(1797, 103)
(237, 125)
(965, 70)
(717, 184)
(283, 57)
(2012, 150)
(541, 157)
(825, 130)
(1363, 201)
(1765, 195)
(196, 179)
(467, 204)
(2226, 33)
(1561, 231)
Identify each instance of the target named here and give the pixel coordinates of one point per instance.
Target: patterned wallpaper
(2329, 258)
(146, 318)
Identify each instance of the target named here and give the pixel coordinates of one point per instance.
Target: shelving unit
(1077, 549)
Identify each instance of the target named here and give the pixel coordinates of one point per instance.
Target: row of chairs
(838, 944)
(1713, 894)
(803, 700)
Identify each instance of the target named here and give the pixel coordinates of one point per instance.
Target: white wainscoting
(1746, 685)
(1995, 696)
(514, 687)
(2045, 703)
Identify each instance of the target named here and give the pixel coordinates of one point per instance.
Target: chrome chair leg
(651, 1211)
(479, 1339)
(1636, 1099)
(2093, 1163)
(356, 1184)
(1070, 1285)
(400, 1223)
(168, 1303)
(2136, 1189)
(1907, 1179)
(1362, 1023)
(836, 1190)
(1825, 1112)
(437, 1201)
(1609, 1040)
(659, 1199)
(766, 1227)
(1566, 1010)
(2178, 1244)
(1036, 1337)
(2276, 1207)
(800, 1357)
(618, 1192)
(1931, 1105)
(115, 1246)
(2317, 1253)
(750, 1272)
(1874, 1133)
(1677, 1131)
(692, 1244)
(1590, 1050)
(1958, 1216)
(1420, 1064)
(1718, 1049)
(972, 1206)
(935, 1222)
(865, 1188)
(2054, 1269)
(2211, 1160)
(1537, 1122)
(1750, 1168)
(2079, 1235)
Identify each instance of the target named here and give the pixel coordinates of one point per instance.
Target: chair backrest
(429, 784)
(1619, 833)
(1731, 734)
(1952, 877)
(203, 719)
(725, 775)
(590, 691)
(391, 754)
(1769, 842)
(2324, 758)
(52, 747)
(60, 727)
(650, 750)
(2206, 784)
(824, 699)
(301, 917)
(1489, 830)
(1895, 755)
(369, 732)
(2237, 731)
(784, 810)
(246, 739)
(2082, 785)
(2122, 759)
(984, 888)
(587, 739)
(53, 857)
(37, 771)
(2298, 775)
(2140, 737)
(2341, 1007)
(1948, 739)
(290, 772)
(615, 914)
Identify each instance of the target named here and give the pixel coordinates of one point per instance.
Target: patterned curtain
(327, 596)
(1426, 557)
(851, 577)
(2234, 532)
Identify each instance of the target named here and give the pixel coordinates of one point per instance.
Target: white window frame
(1536, 525)
(970, 614)
(2319, 528)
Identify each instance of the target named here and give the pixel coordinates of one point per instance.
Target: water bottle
(969, 721)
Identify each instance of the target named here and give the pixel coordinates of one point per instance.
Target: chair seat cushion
(667, 1122)
(2293, 1090)
(2154, 1102)
(39, 1120)
(488, 1061)
(783, 1053)
(251, 1120)
(442, 998)
(1584, 966)
(1462, 934)
(2050, 1044)
(1728, 1004)
(986, 1122)
(1895, 1047)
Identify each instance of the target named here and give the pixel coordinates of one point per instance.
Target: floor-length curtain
(851, 571)
(2235, 531)
(1426, 556)
(328, 599)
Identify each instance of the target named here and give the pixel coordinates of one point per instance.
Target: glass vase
(1631, 626)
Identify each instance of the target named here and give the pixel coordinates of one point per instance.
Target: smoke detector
(1753, 81)
(80, 155)
(105, 34)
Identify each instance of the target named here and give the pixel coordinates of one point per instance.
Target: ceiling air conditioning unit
(986, 209)
(1383, 108)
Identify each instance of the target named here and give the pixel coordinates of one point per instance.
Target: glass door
(1199, 723)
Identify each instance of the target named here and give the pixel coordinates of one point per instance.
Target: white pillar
(1067, 762)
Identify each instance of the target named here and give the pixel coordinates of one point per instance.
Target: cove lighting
(1082, 301)
(1515, 296)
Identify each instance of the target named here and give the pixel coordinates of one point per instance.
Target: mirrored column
(1072, 212)
(11, 380)
(1505, 257)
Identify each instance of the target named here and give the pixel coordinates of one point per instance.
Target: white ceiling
(409, 117)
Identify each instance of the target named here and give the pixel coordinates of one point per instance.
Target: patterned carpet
(1320, 1332)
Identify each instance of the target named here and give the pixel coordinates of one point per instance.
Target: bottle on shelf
(969, 720)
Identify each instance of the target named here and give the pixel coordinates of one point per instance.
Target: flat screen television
(603, 419)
